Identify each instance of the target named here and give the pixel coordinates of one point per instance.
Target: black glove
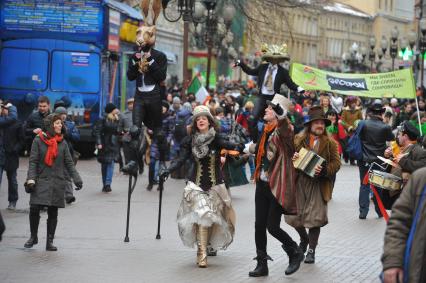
(130, 168)
(164, 173)
(237, 63)
(134, 131)
(29, 188)
(278, 109)
(240, 147)
(323, 172)
(78, 186)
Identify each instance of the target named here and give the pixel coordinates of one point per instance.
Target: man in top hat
(271, 75)
(374, 135)
(313, 193)
(275, 186)
(411, 156)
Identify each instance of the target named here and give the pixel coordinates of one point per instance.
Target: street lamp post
(394, 46)
(355, 58)
(372, 54)
(185, 10)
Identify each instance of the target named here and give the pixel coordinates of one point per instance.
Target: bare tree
(263, 13)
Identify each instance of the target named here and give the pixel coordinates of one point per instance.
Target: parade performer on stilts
(148, 67)
(205, 216)
(271, 75)
(275, 186)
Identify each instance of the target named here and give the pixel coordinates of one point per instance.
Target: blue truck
(75, 51)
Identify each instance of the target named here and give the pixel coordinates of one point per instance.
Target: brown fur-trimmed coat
(327, 150)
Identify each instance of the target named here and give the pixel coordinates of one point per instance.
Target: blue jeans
(154, 168)
(364, 192)
(251, 164)
(107, 173)
(12, 184)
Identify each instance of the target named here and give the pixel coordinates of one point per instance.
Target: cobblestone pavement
(90, 237)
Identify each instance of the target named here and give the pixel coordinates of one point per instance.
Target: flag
(201, 93)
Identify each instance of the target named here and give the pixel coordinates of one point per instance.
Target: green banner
(398, 84)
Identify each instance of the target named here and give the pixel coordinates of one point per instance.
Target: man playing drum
(410, 158)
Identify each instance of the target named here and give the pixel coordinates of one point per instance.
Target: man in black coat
(35, 123)
(271, 75)
(374, 135)
(12, 137)
(148, 67)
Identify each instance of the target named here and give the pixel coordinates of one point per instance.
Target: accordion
(307, 161)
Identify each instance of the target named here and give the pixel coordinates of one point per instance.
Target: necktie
(268, 83)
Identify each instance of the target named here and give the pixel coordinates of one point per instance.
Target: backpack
(180, 128)
(354, 146)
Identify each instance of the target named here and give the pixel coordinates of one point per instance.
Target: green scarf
(332, 129)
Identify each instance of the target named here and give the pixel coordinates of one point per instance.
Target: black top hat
(317, 113)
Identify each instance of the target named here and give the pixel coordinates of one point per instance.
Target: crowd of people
(210, 143)
(229, 111)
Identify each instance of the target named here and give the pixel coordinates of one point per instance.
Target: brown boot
(202, 237)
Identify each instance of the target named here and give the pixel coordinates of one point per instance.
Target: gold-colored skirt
(211, 209)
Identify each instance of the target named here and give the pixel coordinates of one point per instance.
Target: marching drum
(385, 180)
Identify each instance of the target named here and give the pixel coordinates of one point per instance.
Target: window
(75, 72)
(30, 72)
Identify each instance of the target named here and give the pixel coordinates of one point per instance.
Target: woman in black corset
(205, 215)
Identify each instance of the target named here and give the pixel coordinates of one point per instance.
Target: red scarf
(261, 149)
(52, 147)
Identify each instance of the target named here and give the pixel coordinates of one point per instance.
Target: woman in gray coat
(49, 159)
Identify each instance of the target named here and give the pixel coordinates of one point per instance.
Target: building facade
(315, 36)
(387, 14)
(340, 27)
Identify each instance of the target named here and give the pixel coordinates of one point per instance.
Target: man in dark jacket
(397, 267)
(271, 75)
(148, 67)
(374, 135)
(13, 137)
(34, 123)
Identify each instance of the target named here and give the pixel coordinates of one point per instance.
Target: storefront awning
(124, 9)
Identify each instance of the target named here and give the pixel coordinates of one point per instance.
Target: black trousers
(148, 110)
(268, 217)
(257, 114)
(2, 226)
(52, 211)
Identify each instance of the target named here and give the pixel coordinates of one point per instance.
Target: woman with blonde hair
(106, 133)
(325, 103)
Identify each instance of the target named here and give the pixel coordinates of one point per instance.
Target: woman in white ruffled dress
(205, 216)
